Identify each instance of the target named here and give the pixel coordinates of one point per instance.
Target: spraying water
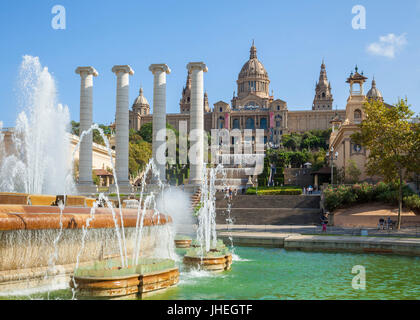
(40, 159)
(206, 231)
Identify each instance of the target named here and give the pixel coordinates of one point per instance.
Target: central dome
(253, 68)
(253, 79)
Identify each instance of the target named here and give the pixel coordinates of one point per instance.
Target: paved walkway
(307, 238)
(410, 232)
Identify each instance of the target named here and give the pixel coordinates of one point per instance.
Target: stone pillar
(197, 118)
(122, 126)
(85, 184)
(159, 112)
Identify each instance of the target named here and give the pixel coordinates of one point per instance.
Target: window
(235, 123)
(221, 122)
(357, 148)
(278, 108)
(263, 123)
(323, 94)
(221, 109)
(249, 124)
(357, 116)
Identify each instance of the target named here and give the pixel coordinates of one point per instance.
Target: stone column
(85, 184)
(159, 113)
(122, 126)
(197, 118)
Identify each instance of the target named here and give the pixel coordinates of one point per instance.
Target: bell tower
(323, 98)
(354, 107)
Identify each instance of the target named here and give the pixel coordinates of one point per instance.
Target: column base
(86, 188)
(124, 187)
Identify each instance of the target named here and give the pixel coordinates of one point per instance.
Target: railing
(7, 129)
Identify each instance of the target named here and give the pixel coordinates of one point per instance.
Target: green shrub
(341, 196)
(275, 191)
(412, 202)
(365, 192)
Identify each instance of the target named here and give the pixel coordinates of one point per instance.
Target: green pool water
(279, 274)
(263, 273)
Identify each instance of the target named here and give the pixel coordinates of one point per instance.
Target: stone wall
(269, 210)
(298, 177)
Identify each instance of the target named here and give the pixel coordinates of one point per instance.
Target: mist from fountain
(40, 159)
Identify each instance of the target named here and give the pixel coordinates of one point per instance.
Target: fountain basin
(212, 264)
(28, 235)
(21, 217)
(44, 200)
(106, 287)
(218, 259)
(183, 242)
(106, 279)
(154, 282)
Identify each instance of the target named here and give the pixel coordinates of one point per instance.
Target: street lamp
(332, 156)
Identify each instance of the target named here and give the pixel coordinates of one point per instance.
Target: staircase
(195, 199)
(270, 210)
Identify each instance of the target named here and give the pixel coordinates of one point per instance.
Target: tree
(352, 172)
(392, 140)
(146, 132)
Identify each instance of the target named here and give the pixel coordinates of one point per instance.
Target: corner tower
(185, 102)
(323, 97)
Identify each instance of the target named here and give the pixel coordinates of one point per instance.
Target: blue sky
(291, 37)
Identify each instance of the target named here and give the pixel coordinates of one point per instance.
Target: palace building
(252, 106)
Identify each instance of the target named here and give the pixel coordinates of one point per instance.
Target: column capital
(123, 68)
(88, 70)
(197, 65)
(160, 66)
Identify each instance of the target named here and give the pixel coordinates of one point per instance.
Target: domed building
(253, 107)
(252, 84)
(374, 92)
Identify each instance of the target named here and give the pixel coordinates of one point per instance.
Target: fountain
(49, 239)
(207, 252)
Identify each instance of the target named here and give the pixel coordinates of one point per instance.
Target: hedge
(342, 196)
(275, 191)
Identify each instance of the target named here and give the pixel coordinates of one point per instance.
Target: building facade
(340, 140)
(251, 107)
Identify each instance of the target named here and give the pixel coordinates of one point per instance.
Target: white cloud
(388, 45)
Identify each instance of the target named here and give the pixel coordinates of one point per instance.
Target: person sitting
(381, 224)
(310, 189)
(390, 224)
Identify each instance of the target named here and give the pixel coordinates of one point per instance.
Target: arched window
(263, 123)
(357, 116)
(221, 109)
(235, 123)
(221, 122)
(323, 94)
(249, 124)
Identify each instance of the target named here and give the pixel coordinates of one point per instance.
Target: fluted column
(159, 115)
(85, 184)
(197, 119)
(122, 125)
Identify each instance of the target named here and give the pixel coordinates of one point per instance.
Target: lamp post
(332, 156)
